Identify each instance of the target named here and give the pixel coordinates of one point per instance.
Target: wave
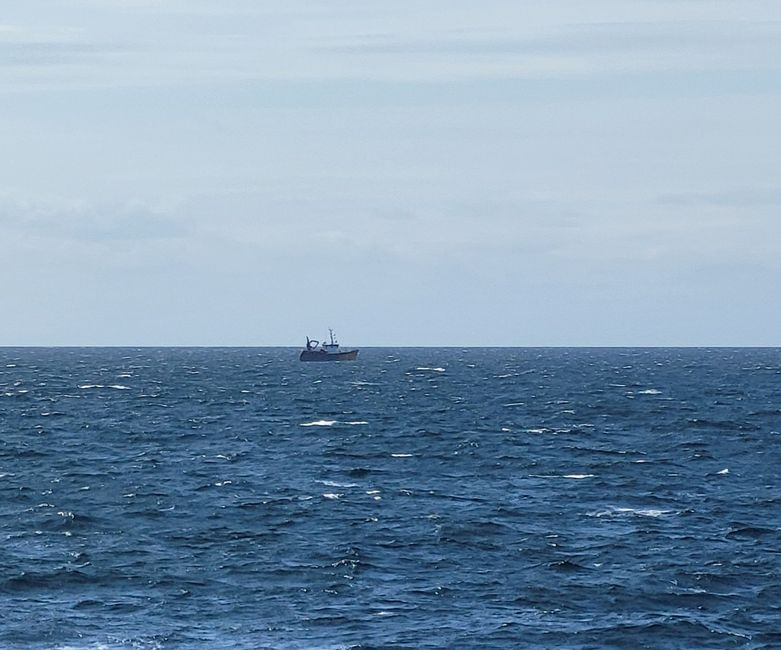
(114, 386)
(57, 579)
(337, 484)
(330, 423)
(617, 511)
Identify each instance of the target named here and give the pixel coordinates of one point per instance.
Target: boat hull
(320, 355)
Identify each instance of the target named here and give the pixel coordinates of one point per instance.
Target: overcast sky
(240, 172)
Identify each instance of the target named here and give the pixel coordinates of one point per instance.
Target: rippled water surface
(416, 498)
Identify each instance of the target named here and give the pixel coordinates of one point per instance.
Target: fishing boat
(316, 351)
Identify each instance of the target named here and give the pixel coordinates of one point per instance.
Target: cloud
(578, 48)
(536, 232)
(574, 38)
(735, 198)
(77, 221)
(161, 44)
(577, 40)
(53, 53)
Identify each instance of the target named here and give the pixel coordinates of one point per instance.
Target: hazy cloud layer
(509, 173)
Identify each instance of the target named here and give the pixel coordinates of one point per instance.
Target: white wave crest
(339, 485)
(114, 386)
(615, 511)
(330, 423)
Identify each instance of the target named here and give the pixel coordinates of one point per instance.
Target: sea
(176, 498)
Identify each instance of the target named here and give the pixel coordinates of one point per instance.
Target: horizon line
(386, 346)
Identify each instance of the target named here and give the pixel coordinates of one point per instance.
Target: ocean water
(417, 498)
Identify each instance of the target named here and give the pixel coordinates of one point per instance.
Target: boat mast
(331, 332)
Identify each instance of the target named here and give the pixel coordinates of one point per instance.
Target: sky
(427, 172)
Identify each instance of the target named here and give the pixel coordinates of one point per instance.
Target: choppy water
(418, 498)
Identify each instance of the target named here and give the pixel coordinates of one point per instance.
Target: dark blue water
(417, 498)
